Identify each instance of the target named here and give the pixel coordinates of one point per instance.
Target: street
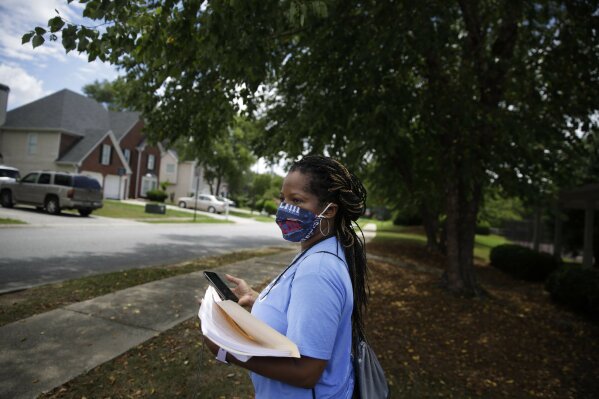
(65, 247)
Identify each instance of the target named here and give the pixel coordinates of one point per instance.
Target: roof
(64, 110)
(122, 122)
(72, 113)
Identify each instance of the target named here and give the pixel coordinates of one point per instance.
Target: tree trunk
(462, 209)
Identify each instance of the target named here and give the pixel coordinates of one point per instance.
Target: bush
(522, 262)
(156, 195)
(576, 288)
(407, 219)
(270, 207)
(483, 229)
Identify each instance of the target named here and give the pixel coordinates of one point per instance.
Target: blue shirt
(312, 305)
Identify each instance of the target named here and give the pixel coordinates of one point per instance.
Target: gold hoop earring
(328, 228)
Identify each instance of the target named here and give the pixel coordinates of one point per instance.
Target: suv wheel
(182, 204)
(211, 209)
(52, 206)
(6, 199)
(85, 212)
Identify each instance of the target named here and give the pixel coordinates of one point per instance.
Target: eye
(296, 201)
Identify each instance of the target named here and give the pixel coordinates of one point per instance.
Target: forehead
(296, 182)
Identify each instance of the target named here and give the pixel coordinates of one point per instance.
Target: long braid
(330, 181)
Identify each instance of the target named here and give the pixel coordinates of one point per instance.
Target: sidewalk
(46, 350)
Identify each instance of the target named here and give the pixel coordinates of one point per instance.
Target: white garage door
(111, 187)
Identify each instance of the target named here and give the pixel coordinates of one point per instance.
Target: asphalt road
(56, 248)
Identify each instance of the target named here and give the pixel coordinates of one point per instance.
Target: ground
(515, 343)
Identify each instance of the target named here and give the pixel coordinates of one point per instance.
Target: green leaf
(37, 41)
(39, 30)
(27, 37)
(55, 24)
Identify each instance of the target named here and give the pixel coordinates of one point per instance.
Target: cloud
(24, 88)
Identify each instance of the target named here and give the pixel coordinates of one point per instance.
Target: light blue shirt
(312, 305)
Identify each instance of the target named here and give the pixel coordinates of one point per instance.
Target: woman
(317, 298)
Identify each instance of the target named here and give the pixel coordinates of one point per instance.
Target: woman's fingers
(233, 279)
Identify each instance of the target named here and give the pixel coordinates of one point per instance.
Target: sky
(32, 74)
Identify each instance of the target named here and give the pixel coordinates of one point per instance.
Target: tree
(457, 96)
(113, 95)
(226, 159)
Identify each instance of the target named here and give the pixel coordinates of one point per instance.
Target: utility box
(156, 208)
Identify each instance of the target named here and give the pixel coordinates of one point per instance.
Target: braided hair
(330, 181)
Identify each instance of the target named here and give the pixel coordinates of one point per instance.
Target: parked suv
(53, 191)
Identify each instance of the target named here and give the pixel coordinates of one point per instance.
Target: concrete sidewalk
(46, 350)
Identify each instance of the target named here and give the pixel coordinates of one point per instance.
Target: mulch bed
(514, 343)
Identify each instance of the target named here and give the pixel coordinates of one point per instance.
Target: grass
(11, 221)
(387, 231)
(19, 305)
(121, 210)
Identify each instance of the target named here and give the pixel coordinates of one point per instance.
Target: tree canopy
(444, 98)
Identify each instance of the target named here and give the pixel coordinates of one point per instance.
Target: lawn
(121, 210)
(515, 343)
(11, 221)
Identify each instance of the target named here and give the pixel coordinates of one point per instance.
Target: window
(127, 154)
(106, 153)
(44, 178)
(86, 182)
(151, 161)
(32, 143)
(170, 168)
(30, 178)
(62, 180)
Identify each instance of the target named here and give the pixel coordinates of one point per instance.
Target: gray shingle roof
(63, 110)
(72, 112)
(84, 146)
(122, 122)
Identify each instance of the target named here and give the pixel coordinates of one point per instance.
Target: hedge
(577, 288)
(156, 195)
(522, 262)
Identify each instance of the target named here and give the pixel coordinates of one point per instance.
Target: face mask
(297, 224)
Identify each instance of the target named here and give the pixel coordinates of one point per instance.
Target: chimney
(3, 102)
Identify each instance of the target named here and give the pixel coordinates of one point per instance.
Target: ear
(331, 212)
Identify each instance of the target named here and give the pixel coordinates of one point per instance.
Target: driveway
(33, 217)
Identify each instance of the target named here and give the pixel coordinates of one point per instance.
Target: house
(70, 132)
(182, 177)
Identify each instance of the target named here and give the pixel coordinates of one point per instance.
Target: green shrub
(156, 195)
(522, 262)
(483, 228)
(270, 207)
(576, 288)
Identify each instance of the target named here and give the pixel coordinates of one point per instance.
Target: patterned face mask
(297, 224)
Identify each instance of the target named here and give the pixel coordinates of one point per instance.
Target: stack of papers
(238, 332)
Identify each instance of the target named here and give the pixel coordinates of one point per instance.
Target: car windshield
(14, 174)
(86, 182)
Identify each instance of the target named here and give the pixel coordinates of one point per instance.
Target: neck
(313, 241)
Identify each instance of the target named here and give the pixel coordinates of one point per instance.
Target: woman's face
(295, 192)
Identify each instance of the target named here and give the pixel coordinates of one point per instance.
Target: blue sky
(32, 74)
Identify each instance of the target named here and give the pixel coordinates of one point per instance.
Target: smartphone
(220, 286)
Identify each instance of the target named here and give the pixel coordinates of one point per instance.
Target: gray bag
(369, 375)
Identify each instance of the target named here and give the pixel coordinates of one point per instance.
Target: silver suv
(53, 191)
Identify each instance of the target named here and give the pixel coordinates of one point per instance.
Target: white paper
(232, 334)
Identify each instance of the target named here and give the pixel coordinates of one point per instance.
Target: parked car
(205, 202)
(227, 201)
(53, 191)
(8, 174)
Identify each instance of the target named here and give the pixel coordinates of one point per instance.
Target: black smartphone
(221, 288)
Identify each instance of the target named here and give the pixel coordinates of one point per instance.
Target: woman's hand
(246, 295)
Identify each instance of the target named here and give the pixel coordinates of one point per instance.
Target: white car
(227, 201)
(204, 202)
(8, 174)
